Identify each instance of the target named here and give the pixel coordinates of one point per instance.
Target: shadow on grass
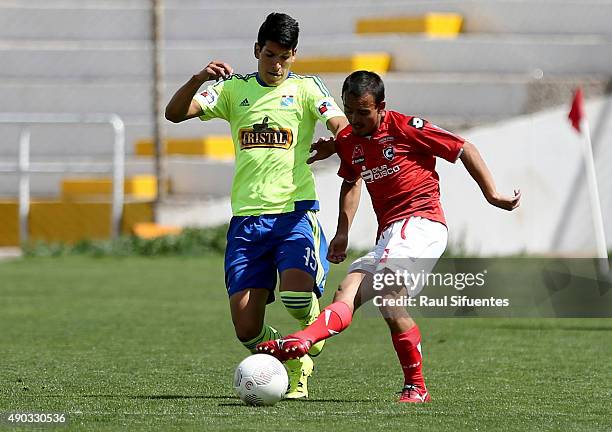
(179, 397)
(151, 397)
(552, 327)
(325, 400)
(300, 401)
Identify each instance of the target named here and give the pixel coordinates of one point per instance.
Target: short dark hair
(279, 28)
(361, 82)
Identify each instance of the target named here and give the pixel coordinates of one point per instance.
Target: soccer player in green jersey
(272, 114)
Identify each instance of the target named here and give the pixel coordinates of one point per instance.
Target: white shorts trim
(413, 245)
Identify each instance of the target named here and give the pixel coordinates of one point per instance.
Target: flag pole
(600, 236)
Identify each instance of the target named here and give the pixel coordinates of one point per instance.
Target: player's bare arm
(350, 193)
(336, 124)
(325, 147)
(182, 106)
(476, 166)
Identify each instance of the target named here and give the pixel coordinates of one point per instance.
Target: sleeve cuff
(459, 154)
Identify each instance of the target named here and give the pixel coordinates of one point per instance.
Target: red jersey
(398, 165)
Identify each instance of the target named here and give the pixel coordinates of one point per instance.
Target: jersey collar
(260, 81)
(263, 84)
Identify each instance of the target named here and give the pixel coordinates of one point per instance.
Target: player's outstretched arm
(182, 106)
(479, 171)
(322, 148)
(325, 147)
(350, 193)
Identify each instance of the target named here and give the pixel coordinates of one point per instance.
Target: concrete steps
(455, 100)
(118, 20)
(561, 55)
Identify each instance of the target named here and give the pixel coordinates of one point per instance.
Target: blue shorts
(259, 247)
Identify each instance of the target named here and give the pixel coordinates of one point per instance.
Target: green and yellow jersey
(272, 129)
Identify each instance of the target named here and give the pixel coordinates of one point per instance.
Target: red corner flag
(576, 114)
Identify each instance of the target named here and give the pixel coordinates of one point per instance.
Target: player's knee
(246, 335)
(296, 280)
(340, 295)
(346, 289)
(246, 331)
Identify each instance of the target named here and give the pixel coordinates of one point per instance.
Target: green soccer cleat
(298, 370)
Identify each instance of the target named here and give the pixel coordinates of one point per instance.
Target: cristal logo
(262, 135)
(377, 173)
(248, 385)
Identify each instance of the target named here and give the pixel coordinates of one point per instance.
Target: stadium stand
(510, 58)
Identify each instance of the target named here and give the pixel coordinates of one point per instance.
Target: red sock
(408, 348)
(332, 320)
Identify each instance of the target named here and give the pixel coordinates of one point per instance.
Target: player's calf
(408, 349)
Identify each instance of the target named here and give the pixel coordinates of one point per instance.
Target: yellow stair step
(9, 223)
(68, 222)
(213, 146)
(151, 230)
(142, 187)
(378, 62)
(433, 24)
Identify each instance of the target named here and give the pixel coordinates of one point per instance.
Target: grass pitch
(147, 344)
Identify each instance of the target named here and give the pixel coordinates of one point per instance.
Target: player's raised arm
(479, 171)
(350, 193)
(182, 106)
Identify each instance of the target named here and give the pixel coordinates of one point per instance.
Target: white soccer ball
(260, 379)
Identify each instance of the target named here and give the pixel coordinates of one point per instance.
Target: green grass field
(147, 344)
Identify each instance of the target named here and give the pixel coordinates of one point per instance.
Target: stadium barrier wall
(68, 222)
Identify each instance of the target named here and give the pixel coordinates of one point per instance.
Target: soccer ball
(260, 379)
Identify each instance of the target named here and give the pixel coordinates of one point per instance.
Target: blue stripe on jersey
(260, 81)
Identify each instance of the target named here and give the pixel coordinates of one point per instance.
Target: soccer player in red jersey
(395, 155)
